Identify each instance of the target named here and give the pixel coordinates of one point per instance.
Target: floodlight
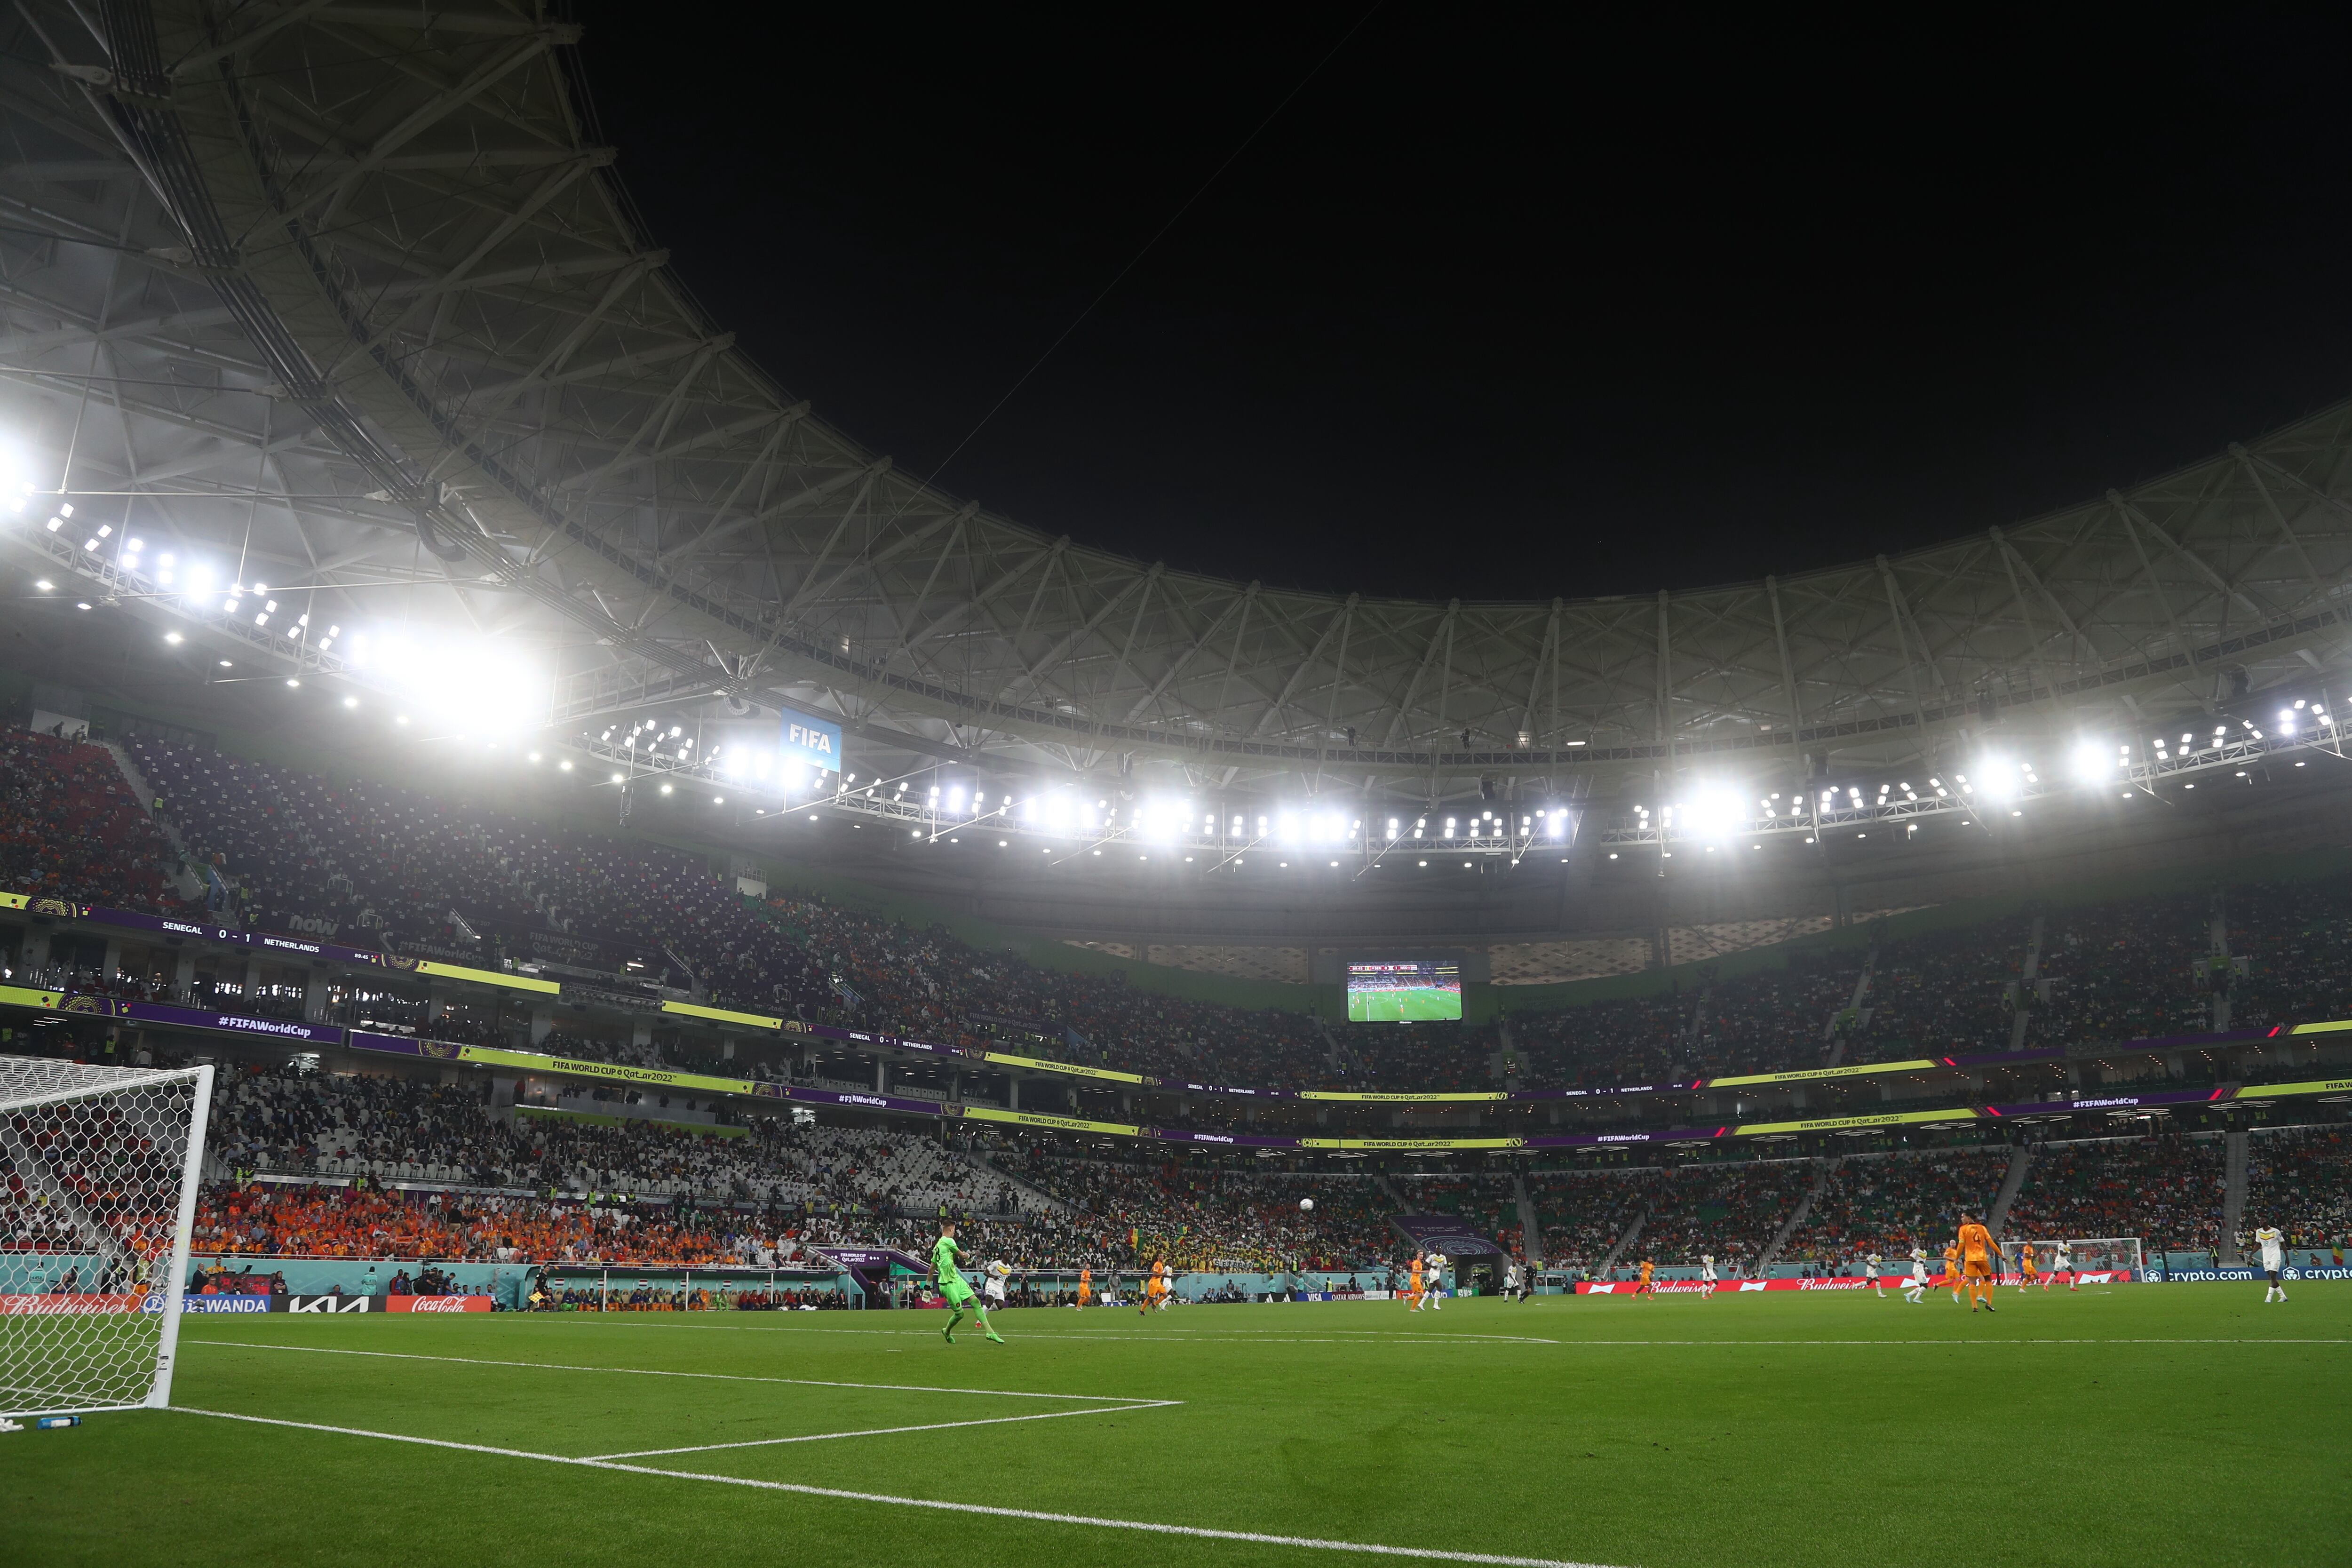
(172, 637)
(2092, 764)
(290, 681)
(1711, 815)
(665, 789)
(565, 765)
(348, 701)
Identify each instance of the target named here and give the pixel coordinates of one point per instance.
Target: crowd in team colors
(71, 828)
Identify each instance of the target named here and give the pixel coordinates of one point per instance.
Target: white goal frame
(137, 1151)
(2092, 1254)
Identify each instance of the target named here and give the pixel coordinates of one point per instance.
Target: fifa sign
(811, 741)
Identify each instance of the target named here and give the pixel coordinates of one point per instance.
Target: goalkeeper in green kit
(952, 1286)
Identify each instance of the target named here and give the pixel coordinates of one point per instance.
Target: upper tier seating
(366, 857)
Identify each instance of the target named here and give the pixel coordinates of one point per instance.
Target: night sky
(1501, 307)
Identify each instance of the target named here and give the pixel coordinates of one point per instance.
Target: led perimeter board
(1404, 991)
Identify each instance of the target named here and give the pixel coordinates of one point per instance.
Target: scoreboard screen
(1404, 991)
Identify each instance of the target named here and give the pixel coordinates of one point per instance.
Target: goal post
(2087, 1254)
(98, 1173)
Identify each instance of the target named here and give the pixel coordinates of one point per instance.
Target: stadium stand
(1489, 1202)
(2166, 1190)
(363, 858)
(1731, 1212)
(1584, 1213)
(69, 828)
(1889, 1203)
(1207, 1218)
(2300, 1180)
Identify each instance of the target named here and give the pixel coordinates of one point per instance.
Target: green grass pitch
(1405, 1004)
(2140, 1425)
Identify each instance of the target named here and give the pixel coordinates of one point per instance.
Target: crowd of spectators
(1134, 1208)
(1488, 1200)
(71, 829)
(1729, 1212)
(373, 863)
(2166, 1190)
(1585, 1213)
(2300, 1180)
(362, 1221)
(1889, 1203)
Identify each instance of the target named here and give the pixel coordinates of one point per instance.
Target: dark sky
(1502, 307)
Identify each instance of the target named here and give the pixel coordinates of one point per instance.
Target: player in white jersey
(1916, 1292)
(1436, 1281)
(2274, 1248)
(1706, 1272)
(1872, 1265)
(991, 1289)
(2062, 1261)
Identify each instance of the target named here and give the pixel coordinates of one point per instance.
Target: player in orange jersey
(1951, 1279)
(1978, 1250)
(2025, 1272)
(1412, 1282)
(1085, 1288)
(1645, 1289)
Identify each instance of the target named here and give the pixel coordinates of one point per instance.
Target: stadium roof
(347, 299)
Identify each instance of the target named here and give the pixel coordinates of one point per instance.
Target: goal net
(2086, 1255)
(98, 1195)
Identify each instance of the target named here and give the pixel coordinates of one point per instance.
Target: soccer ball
(1306, 1205)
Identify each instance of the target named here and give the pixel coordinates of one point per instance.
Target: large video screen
(1404, 991)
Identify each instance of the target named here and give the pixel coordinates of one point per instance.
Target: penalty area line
(1035, 1516)
(889, 1431)
(1044, 1333)
(1120, 1399)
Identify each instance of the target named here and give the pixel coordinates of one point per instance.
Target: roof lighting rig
(1997, 785)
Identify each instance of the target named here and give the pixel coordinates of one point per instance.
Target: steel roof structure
(346, 296)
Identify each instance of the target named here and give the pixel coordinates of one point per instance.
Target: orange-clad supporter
(339, 1222)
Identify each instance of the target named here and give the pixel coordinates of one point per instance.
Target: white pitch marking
(1338, 1336)
(1196, 1531)
(887, 1431)
(658, 1372)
